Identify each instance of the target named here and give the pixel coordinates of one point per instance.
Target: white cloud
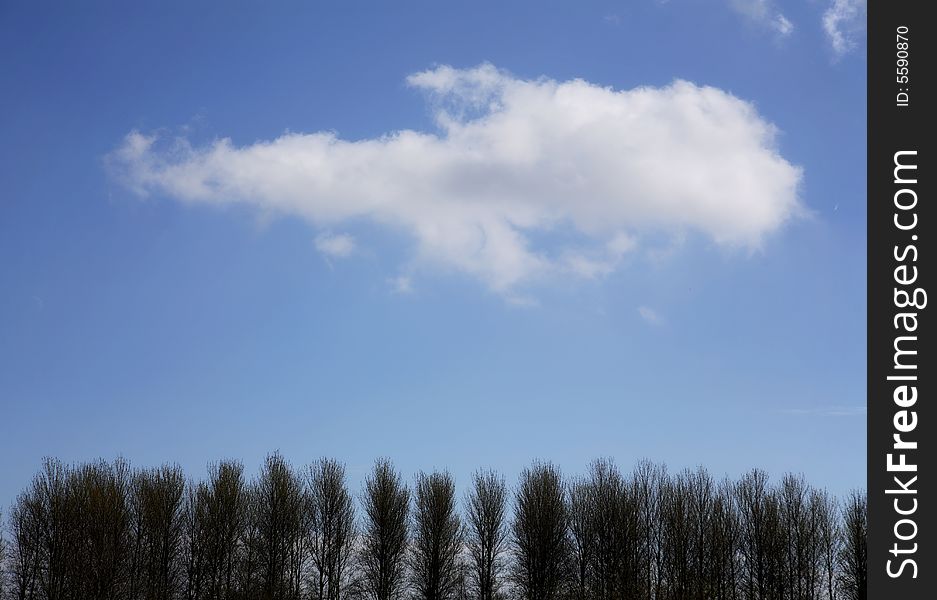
(844, 23)
(514, 165)
(764, 14)
(650, 315)
(335, 245)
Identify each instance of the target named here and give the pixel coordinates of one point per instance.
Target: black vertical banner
(902, 371)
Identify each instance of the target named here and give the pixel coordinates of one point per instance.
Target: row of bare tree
(103, 531)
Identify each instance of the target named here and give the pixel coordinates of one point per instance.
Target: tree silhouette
(216, 515)
(102, 530)
(157, 513)
(648, 481)
(385, 533)
(853, 555)
(826, 523)
(279, 519)
(331, 529)
(487, 534)
(437, 538)
(540, 543)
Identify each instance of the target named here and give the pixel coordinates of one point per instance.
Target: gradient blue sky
(163, 330)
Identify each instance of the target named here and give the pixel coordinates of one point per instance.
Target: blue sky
(167, 298)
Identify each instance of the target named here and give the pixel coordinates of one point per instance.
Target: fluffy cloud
(524, 179)
(844, 22)
(763, 13)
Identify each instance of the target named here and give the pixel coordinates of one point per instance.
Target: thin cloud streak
(827, 411)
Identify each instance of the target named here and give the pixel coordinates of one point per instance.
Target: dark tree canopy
(541, 543)
(435, 566)
(331, 530)
(385, 533)
(853, 555)
(103, 530)
(487, 534)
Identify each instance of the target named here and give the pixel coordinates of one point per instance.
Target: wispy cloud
(401, 284)
(844, 24)
(650, 315)
(513, 161)
(764, 14)
(335, 245)
(827, 411)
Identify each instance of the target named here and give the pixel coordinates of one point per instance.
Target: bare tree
(612, 534)
(195, 548)
(463, 588)
(25, 554)
(99, 530)
(47, 507)
(700, 488)
(723, 544)
(224, 515)
(853, 554)
(539, 538)
(385, 536)
(249, 575)
(158, 513)
(823, 510)
(331, 529)
(648, 481)
(435, 568)
(676, 539)
(99, 516)
(3, 560)
(802, 528)
(581, 544)
(760, 547)
(487, 534)
(280, 514)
